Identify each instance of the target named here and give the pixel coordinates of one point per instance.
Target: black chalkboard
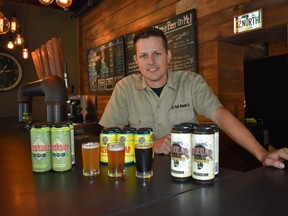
(181, 34)
(106, 65)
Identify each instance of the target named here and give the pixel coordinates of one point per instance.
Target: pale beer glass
(143, 159)
(90, 158)
(116, 159)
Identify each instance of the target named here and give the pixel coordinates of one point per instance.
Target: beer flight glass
(90, 158)
(143, 158)
(116, 159)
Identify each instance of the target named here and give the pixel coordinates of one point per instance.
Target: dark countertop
(70, 193)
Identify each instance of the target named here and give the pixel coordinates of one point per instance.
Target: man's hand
(162, 145)
(275, 158)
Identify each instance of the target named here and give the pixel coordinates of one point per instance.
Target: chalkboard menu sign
(131, 66)
(181, 34)
(106, 65)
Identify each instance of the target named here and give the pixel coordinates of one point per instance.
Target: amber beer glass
(90, 158)
(116, 159)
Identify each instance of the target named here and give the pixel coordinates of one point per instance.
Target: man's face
(152, 60)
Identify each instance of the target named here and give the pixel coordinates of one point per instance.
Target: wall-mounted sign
(247, 22)
(106, 65)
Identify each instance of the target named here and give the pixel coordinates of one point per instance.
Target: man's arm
(241, 135)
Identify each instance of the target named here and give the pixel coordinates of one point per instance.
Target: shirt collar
(172, 81)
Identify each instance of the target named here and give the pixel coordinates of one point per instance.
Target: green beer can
(61, 147)
(40, 147)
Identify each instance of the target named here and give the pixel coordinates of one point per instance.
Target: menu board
(106, 65)
(181, 35)
(131, 66)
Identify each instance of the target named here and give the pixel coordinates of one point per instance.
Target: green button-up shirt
(185, 96)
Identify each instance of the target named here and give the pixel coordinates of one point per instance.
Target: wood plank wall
(111, 19)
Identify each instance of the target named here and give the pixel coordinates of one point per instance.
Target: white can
(181, 152)
(203, 155)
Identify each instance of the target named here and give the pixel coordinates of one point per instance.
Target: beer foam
(116, 147)
(90, 145)
(143, 146)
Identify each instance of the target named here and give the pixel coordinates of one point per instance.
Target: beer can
(71, 126)
(126, 136)
(203, 153)
(216, 148)
(142, 136)
(107, 135)
(40, 147)
(181, 161)
(61, 146)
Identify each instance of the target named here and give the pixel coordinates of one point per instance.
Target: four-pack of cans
(52, 146)
(194, 152)
(129, 136)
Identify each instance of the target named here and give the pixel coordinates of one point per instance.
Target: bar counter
(23, 192)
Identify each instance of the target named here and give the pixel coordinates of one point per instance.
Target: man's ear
(135, 59)
(169, 55)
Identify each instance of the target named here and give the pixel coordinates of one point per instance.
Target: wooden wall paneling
(231, 69)
(214, 26)
(108, 29)
(280, 12)
(206, 7)
(219, 24)
(136, 10)
(231, 78)
(102, 100)
(278, 47)
(101, 12)
(149, 20)
(235, 104)
(207, 64)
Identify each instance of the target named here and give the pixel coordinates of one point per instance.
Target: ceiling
(78, 6)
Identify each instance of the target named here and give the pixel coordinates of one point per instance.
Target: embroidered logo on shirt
(177, 106)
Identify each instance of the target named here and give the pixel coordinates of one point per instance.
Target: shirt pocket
(177, 116)
(137, 120)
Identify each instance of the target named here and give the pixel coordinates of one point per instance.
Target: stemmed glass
(27, 119)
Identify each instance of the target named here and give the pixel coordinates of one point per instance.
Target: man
(159, 98)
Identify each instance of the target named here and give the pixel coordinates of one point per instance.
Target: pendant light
(4, 24)
(13, 24)
(46, 2)
(25, 51)
(64, 3)
(19, 40)
(10, 44)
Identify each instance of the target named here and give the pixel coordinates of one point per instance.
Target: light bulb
(46, 2)
(64, 3)
(10, 45)
(25, 53)
(19, 40)
(13, 24)
(4, 24)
